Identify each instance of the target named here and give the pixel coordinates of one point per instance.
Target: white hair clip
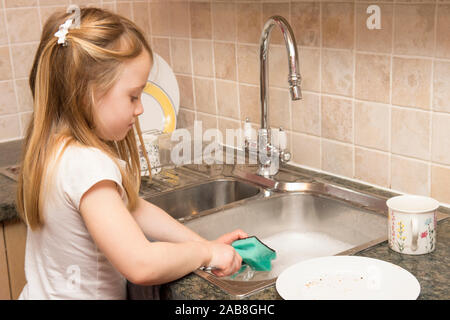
(62, 32)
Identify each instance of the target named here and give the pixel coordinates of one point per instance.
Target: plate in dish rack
(160, 98)
(347, 278)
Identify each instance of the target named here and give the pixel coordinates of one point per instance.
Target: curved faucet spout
(269, 165)
(294, 78)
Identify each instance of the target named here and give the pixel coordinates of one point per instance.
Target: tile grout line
(353, 93)
(171, 36)
(132, 11)
(377, 53)
(213, 61)
(41, 30)
(431, 102)
(236, 80)
(391, 81)
(397, 55)
(404, 56)
(372, 149)
(194, 95)
(13, 74)
(232, 82)
(331, 95)
(320, 86)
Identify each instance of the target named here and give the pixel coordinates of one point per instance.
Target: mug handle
(415, 233)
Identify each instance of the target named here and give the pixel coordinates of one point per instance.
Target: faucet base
(267, 171)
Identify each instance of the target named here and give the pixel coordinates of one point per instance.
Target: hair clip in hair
(62, 32)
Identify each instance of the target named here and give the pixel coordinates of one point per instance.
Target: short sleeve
(81, 168)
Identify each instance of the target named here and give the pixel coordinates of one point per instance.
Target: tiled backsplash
(376, 102)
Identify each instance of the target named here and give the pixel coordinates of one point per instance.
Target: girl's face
(116, 112)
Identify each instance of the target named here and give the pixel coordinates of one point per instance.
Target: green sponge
(255, 253)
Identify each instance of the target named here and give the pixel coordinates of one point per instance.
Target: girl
(80, 171)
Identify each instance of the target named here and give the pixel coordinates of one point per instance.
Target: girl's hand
(228, 238)
(225, 260)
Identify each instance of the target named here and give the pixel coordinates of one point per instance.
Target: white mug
(412, 224)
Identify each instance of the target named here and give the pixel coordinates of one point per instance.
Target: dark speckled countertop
(431, 270)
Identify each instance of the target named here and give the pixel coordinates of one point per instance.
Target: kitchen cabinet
(5, 292)
(12, 258)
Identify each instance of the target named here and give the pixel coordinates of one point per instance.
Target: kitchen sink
(301, 218)
(191, 200)
(298, 226)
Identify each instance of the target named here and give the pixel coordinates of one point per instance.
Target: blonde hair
(62, 82)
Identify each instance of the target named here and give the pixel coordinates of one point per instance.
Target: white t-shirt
(61, 259)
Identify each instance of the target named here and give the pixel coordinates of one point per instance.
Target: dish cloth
(254, 253)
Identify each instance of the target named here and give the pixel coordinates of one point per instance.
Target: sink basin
(298, 226)
(202, 198)
(300, 217)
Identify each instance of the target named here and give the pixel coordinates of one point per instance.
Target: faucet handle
(282, 139)
(285, 156)
(247, 130)
(250, 136)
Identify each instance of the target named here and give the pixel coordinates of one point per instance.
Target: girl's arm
(150, 217)
(119, 237)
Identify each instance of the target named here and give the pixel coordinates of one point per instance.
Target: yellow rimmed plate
(160, 98)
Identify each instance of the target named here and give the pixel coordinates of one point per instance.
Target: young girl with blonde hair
(78, 189)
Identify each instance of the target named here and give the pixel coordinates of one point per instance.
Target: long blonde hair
(62, 82)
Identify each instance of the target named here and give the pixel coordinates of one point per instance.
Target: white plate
(160, 98)
(347, 278)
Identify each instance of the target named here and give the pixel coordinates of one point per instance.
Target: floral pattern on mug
(400, 236)
(429, 234)
(393, 228)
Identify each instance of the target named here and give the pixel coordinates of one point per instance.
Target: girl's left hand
(228, 238)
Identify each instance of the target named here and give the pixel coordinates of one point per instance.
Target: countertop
(431, 270)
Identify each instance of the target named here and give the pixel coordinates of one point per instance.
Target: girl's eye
(134, 98)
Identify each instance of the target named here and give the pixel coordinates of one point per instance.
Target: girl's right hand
(225, 260)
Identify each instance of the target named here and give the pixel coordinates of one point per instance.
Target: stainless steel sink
(298, 226)
(301, 219)
(189, 201)
(294, 220)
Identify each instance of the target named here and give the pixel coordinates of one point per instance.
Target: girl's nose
(139, 110)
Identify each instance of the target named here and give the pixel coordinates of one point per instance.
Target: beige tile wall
(376, 103)
(21, 23)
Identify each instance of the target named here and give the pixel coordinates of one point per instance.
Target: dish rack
(151, 142)
(12, 171)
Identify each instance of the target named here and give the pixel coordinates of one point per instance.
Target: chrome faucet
(268, 165)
